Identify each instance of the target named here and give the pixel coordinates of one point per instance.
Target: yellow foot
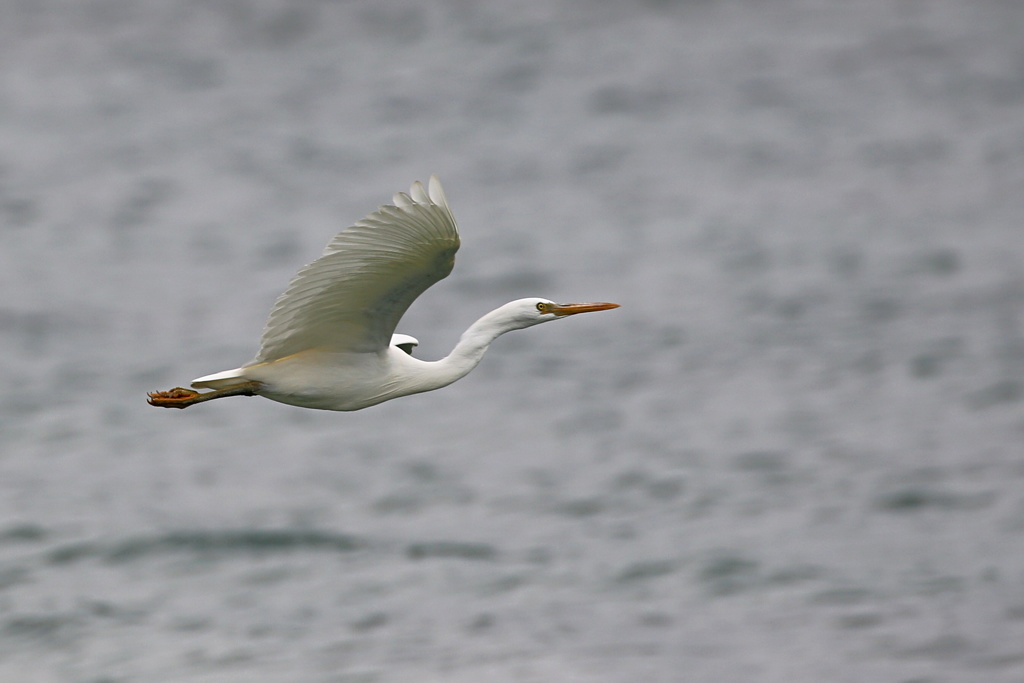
(178, 397)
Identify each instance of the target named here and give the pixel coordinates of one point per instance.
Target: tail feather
(220, 380)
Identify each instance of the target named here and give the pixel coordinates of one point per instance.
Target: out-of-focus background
(795, 454)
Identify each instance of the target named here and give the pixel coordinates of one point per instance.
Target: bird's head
(533, 311)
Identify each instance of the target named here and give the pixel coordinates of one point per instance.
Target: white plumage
(330, 340)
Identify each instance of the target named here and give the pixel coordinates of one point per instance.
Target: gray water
(793, 455)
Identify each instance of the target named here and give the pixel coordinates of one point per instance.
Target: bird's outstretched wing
(352, 297)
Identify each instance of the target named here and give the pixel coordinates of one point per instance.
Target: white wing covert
(352, 297)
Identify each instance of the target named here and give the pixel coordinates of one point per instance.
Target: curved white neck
(473, 343)
(467, 353)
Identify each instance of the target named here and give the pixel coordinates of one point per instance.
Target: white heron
(329, 342)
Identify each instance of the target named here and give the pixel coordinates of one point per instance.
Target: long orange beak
(573, 309)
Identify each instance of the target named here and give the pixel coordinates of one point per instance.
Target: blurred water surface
(794, 454)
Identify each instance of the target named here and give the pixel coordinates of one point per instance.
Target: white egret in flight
(329, 342)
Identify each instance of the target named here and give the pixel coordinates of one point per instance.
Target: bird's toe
(178, 397)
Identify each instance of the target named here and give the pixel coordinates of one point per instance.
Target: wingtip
(419, 193)
(433, 193)
(436, 192)
(402, 200)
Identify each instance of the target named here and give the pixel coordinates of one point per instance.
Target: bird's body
(329, 342)
(330, 380)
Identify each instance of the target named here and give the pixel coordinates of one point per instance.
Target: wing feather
(352, 297)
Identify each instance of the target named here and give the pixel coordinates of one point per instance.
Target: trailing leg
(180, 397)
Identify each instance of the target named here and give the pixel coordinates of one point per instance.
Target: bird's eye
(542, 307)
